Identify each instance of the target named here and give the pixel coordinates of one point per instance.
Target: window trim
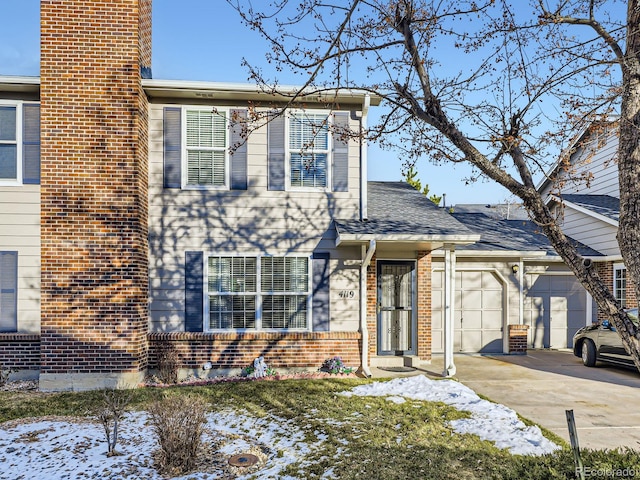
(258, 294)
(18, 142)
(288, 150)
(184, 154)
(620, 267)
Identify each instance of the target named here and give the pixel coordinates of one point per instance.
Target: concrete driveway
(543, 384)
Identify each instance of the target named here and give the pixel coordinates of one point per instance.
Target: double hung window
(264, 292)
(206, 148)
(9, 141)
(620, 284)
(308, 149)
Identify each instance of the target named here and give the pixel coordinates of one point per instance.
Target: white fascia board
(15, 83)
(248, 91)
(566, 152)
(391, 238)
(493, 254)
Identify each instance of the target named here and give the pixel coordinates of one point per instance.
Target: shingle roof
(397, 208)
(603, 204)
(511, 235)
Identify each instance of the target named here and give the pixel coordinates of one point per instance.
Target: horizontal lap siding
(252, 221)
(20, 232)
(597, 234)
(280, 350)
(597, 159)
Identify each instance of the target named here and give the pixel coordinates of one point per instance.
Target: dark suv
(601, 342)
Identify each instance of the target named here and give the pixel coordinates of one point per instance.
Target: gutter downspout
(364, 193)
(449, 306)
(367, 254)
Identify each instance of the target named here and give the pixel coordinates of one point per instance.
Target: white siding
(585, 228)
(20, 232)
(249, 222)
(594, 169)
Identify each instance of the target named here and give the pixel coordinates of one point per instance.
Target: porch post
(449, 307)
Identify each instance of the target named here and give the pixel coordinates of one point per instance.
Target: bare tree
(500, 87)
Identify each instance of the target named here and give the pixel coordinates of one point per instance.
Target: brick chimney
(94, 202)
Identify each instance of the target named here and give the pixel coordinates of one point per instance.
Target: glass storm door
(396, 325)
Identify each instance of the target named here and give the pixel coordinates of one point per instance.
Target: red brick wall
(424, 305)
(605, 271)
(518, 339)
(372, 302)
(238, 350)
(19, 351)
(94, 185)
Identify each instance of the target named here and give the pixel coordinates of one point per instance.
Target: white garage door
(554, 308)
(478, 315)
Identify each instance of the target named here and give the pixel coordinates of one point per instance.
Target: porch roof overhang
(410, 236)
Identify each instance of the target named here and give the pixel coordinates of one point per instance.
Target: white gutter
(367, 254)
(364, 189)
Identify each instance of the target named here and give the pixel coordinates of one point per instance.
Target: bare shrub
(178, 423)
(167, 363)
(4, 376)
(109, 414)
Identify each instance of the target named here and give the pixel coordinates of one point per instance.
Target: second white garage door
(555, 307)
(478, 316)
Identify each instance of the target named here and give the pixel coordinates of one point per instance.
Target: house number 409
(347, 294)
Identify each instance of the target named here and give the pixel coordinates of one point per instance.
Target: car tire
(588, 351)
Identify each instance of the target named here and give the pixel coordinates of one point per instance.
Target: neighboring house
(583, 190)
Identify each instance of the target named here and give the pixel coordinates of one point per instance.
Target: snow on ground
(56, 449)
(490, 421)
(75, 448)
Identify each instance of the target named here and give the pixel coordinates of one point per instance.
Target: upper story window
(620, 284)
(196, 147)
(9, 141)
(19, 143)
(206, 148)
(308, 150)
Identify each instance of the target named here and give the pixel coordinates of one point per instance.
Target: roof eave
(20, 84)
(195, 90)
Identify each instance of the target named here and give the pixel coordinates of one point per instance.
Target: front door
(396, 312)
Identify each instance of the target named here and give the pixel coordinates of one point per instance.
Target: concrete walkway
(543, 384)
